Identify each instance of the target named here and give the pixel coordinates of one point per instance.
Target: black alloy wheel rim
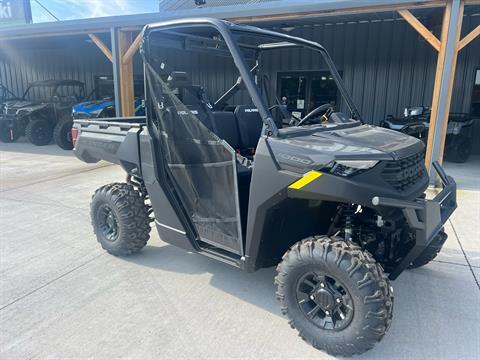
(41, 131)
(108, 223)
(324, 301)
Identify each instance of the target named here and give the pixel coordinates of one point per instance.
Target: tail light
(74, 132)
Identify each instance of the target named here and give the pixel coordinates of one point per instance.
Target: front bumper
(425, 217)
(11, 119)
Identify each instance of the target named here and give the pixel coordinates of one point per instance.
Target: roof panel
(250, 10)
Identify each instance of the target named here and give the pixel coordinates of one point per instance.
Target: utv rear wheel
(8, 135)
(335, 295)
(120, 219)
(62, 134)
(461, 150)
(431, 252)
(39, 131)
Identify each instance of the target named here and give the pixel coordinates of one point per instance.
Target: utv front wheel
(120, 219)
(62, 133)
(39, 131)
(335, 295)
(7, 134)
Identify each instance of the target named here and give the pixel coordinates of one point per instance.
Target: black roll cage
(54, 84)
(225, 29)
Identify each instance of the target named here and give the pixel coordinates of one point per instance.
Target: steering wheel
(312, 114)
(285, 113)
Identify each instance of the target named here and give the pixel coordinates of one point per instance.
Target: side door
(201, 166)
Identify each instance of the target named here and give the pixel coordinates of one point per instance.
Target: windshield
(293, 79)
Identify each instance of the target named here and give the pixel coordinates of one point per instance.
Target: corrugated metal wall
(385, 64)
(27, 62)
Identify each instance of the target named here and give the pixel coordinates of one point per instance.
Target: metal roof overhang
(283, 9)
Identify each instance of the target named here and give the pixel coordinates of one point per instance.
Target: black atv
(338, 206)
(42, 120)
(416, 121)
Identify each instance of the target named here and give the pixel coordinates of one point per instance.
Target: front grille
(403, 174)
(81, 115)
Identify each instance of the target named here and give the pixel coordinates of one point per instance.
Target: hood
(23, 106)
(92, 105)
(405, 120)
(319, 146)
(365, 140)
(17, 104)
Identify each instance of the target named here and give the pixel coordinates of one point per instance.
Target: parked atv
(105, 108)
(416, 121)
(42, 120)
(338, 206)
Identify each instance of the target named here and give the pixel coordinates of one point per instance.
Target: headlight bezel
(347, 168)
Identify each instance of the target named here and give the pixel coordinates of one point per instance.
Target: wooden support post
(437, 84)
(456, 38)
(127, 98)
(420, 28)
(105, 50)
(444, 76)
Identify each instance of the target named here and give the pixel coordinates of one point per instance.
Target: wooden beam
(105, 50)
(438, 83)
(451, 82)
(420, 28)
(126, 74)
(132, 49)
(468, 38)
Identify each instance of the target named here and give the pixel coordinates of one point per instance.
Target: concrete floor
(62, 297)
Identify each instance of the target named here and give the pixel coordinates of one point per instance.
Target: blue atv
(105, 108)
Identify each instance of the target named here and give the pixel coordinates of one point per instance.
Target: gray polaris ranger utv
(338, 206)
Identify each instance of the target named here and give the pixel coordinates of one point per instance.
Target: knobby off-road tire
(8, 135)
(354, 273)
(460, 152)
(62, 133)
(39, 131)
(431, 252)
(120, 219)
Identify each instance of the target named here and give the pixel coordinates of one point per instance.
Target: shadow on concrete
(467, 175)
(423, 293)
(24, 147)
(256, 288)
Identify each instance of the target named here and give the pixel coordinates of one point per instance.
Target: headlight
(95, 113)
(350, 167)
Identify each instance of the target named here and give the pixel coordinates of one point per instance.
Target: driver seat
(250, 125)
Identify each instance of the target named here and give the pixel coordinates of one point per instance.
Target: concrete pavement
(63, 297)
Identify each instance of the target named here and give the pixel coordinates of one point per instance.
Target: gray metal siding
(78, 61)
(385, 64)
